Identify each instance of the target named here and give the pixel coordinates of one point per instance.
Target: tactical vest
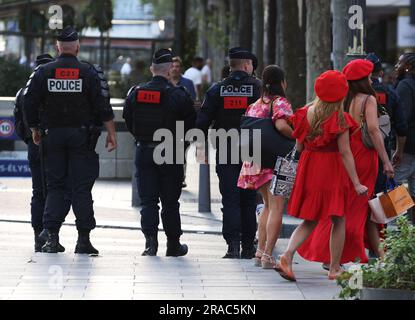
(151, 112)
(235, 97)
(67, 85)
(382, 100)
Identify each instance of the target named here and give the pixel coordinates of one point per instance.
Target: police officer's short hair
(237, 63)
(162, 67)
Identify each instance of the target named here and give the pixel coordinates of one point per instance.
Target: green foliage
(99, 14)
(395, 271)
(12, 77)
(38, 23)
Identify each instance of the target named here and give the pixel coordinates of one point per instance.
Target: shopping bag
(284, 175)
(378, 215)
(396, 201)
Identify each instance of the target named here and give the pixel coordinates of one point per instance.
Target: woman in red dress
(321, 189)
(361, 96)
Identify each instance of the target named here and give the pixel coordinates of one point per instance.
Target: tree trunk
(258, 38)
(180, 26)
(234, 18)
(203, 31)
(101, 49)
(318, 41)
(340, 30)
(291, 50)
(245, 24)
(271, 28)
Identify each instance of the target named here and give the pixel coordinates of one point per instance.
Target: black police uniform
(71, 98)
(158, 105)
(36, 162)
(224, 104)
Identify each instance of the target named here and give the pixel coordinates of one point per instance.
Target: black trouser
(69, 159)
(38, 193)
(159, 183)
(239, 219)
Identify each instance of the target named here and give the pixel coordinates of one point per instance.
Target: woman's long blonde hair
(323, 111)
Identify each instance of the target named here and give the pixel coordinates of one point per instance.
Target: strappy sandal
(257, 261)
(268, 262)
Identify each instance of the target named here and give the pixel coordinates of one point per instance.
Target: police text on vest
(64, 86)
(234, 91)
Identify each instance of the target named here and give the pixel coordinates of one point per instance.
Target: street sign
(7, 129)
(14, 168)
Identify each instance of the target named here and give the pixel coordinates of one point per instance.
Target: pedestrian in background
(320, 192)
(195, 74)
(253, 177)
(177, 78)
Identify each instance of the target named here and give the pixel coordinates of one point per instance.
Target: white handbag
(284, 175)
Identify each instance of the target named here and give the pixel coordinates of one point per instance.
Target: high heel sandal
(268, 262)
(257, 261)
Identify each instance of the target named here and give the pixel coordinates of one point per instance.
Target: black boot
(175, 249)
(233, 250)
(41, 239)
(39, 242)
(152, 246)
(83, 245)
(52, 241)
(248, 251)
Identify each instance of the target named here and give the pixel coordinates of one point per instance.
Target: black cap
(241, 53)
(68, 34)
(163, 56)
(43, 59)
(376, 61)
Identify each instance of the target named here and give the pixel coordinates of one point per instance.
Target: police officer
(36, 165)
(389, 102)
(71, 98)
(159, 105)
(224, 105)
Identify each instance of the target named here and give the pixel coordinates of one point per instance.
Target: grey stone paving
(120, 273)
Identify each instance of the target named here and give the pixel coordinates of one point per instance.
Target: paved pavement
(121, 273)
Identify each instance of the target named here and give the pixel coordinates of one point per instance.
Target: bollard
(136, 201)
(204, 186)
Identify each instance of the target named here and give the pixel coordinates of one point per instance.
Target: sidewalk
(121, 273)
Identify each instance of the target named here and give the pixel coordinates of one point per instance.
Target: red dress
(317, 247)
(320, 189)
